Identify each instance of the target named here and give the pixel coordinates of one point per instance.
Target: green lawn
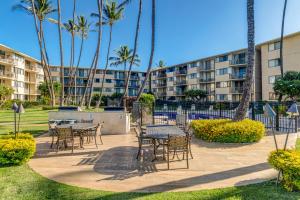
(298, 144)
(22, 183)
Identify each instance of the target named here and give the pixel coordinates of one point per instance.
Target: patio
(113, 166)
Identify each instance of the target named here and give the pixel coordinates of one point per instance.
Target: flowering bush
(289, 163)
(228, 131)
(16, 151)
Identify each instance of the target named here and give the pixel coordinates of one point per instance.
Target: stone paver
(113, 166)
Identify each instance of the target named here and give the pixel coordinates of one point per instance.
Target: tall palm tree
(246, 97)
(151, 53)
(72, 28)
(40, 9)
(94, 65)
(161, 64)
(83, 31)
(281, 38)
(124, 55)
(112, 14)
(137, 30)
(62, 92)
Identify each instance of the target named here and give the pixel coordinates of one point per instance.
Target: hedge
(287, 161)
(16, 151)
(228, 131)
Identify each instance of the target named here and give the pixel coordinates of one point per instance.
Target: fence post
(296, 124)
(220, 110)
(141, 110)
(277, 117)
(153, 109)
(253, 111)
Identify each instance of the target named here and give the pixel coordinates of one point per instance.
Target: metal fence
(180, 113)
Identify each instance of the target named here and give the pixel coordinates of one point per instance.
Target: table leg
(154, 150)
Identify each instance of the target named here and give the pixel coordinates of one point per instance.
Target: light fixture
(15, 108)
(20, 110)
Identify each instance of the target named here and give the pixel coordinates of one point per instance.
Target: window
(97, 80)
(274, 46)
(108, 89)
(222, 97)
(222, 71)
(2, 53)
(170, 79)
(193, 75)
(194, 87)
(154, 82)
(109, 72)
(222, 58)
(272, 79)
(195, 64)
(223, 84)
(171, 88)
(97, 89)
(171, 69)
(108, 81)
(274, 62)
(154, 73)
(272, 96)
(18, 71)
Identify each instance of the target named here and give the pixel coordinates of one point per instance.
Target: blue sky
(186, 29)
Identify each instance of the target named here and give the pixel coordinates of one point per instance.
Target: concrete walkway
(113, 166)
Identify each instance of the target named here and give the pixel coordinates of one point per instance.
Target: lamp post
(20, 110)
(293, 112)
(15, 108)
(270, 114)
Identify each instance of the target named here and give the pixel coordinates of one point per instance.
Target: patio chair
(88, 121)
(189, 134)
(52, 132)
(178, 144)
(142, 140)
(63, 135)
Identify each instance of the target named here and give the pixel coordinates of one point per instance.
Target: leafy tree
(161, 64)
(44, 89)
(195, 95)
(288, 85)
(4, 93)
(147, 100)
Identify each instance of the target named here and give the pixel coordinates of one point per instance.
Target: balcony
(119, 84)
(30, 67)
(161, 84)
(237, 90)
(9, 75)
(181, 72)
(238, 62)
(237, 76)
(201, 80)
(160, 94)
(161, 75)
(206, 68)
(180, 82)
(179, 93)
(7, 59)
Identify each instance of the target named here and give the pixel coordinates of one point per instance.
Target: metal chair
(52, 132)
(178, 144)
(142, 140)
(63, 135)
(189, 136)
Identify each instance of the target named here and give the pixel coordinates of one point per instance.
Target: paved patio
(113, 166)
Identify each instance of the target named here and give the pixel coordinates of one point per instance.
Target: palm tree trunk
(245, 101)
(100, 6)
(137, 30)
(152, 52)
(61, 101)
(76, 69)
(106, 66)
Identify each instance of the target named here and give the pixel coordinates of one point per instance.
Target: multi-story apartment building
(20, 72)
(114, 81)
(223, 76)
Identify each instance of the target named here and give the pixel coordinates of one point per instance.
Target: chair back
(64, 132)
(98, 129)
(177, 142)
(137, 131)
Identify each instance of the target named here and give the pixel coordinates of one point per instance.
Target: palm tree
(61, 55)
(40, 9)
(112, 14)
(245, 101)
(161, 64)
(95, 57)
(137, 30)
(72, 28)
(123, 56)
(151, 53)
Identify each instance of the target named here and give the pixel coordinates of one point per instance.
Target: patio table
(161, 132)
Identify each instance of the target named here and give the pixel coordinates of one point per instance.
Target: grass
(298, 144)
(22, 183)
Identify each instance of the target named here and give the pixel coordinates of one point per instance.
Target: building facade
(20, 72)
(223, 76)
(114, 81)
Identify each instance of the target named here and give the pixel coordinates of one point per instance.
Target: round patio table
(161, 132)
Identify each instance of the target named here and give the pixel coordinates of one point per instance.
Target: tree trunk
(152, 52)
(106, 65)
(245, 101)
(137, 30)
(281, 38)
(100, 6)
(76, 69)
(61, 101)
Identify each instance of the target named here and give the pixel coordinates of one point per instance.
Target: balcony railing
(237, 61)
(7, 59)
(30, 67)
(180, 82)
(161, 93)
(119, 84)
(200, 80)
(161, 84)
(237, 76)
(7, 75)
(179, 93)
(206, 68)
(181, 72)
(237, 90)
(161, 75)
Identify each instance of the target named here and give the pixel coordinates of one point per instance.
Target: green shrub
(289, 163)
(16, 151)
(227, 131)
(27, 136)
(49, 107)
